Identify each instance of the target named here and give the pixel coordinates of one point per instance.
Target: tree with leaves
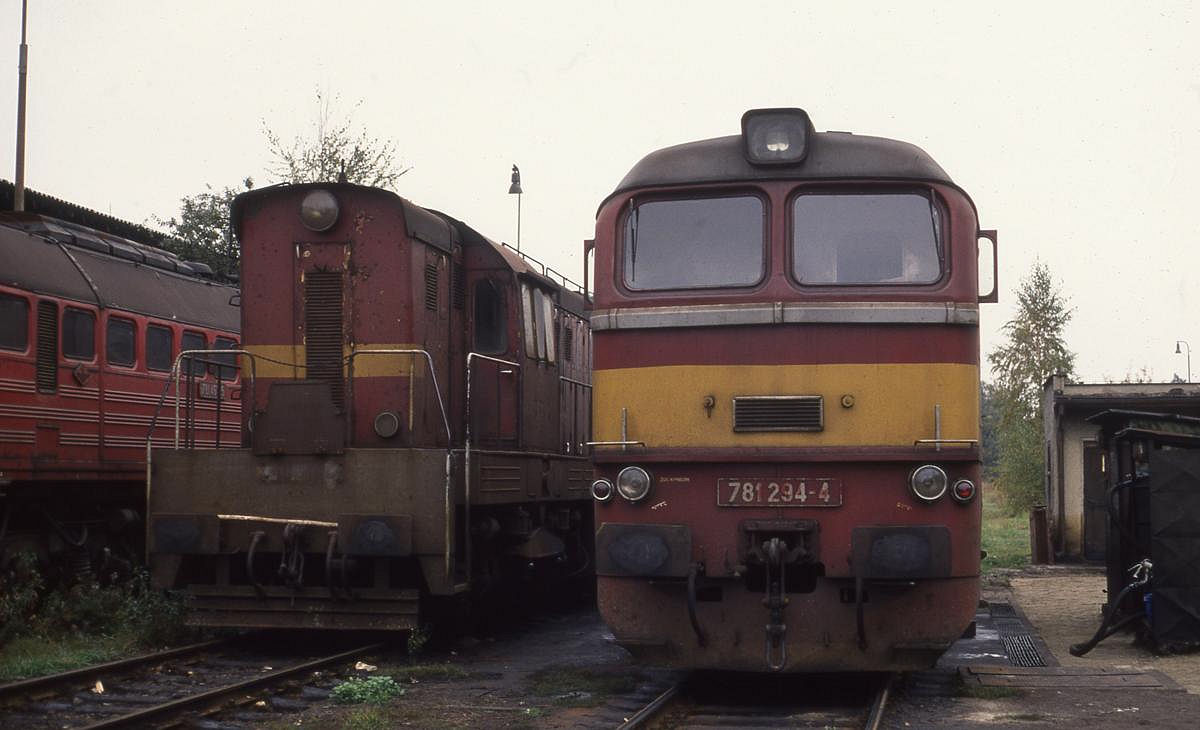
(1035, 349)
(336, 149)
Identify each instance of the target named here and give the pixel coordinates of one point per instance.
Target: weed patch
(1005, 537)
(429, 672)
(582, 687)
(366, 718)
(366, 690)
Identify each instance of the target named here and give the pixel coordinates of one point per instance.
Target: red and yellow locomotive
(415, 422)
(90, 325)
(787, 402)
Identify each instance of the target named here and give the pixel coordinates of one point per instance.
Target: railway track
(725, 700)
(161, 688)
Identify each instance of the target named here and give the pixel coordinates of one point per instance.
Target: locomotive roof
(57, 258)
(831, 156)
(424, 224)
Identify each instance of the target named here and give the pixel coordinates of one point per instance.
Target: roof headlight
(602, 490)
(964, 491)
(633, 482)
(775, 136)
(928, 482)
(319, 211)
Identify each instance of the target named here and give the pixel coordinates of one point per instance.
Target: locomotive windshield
(861, 238)
(680, 244)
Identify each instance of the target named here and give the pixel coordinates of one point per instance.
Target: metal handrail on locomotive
(414, 430)
(786, 404)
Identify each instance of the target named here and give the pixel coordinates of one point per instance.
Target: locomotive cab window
(79, 334)
(695, 243)
(866, 238)
(224, 366)
(193, 341)
(491, 318)
(537, 310)
(160, 351)
(14, 322)
(118, 342)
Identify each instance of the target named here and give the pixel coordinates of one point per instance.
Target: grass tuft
(366, 690)
(1005, 537)
(583, 687)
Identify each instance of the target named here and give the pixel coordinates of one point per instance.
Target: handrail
(445, 422)
(174, 376)
(467, 448)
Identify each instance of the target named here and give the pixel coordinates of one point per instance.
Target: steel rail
(875, 716)
(142, 716)
(36, 683)
(652, 708)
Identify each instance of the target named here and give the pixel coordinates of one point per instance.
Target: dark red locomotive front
(787, 403)
(415, 424)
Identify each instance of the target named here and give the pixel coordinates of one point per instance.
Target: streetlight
(515, 189)
(1189, 355)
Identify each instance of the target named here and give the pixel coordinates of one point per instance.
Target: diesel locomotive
(786, 404)
(91, 323)
(415, 414)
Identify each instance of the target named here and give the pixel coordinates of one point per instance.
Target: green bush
(21, 587)
(366, 690)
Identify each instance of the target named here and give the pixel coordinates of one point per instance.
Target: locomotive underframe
(266, 541)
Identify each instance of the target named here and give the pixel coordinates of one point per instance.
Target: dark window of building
(193, 341)
(79, 334)
(866, 238)
(160, 351)
(14, 322)
(225, 367)
(119, 347)
(685, 244)
(491, 319)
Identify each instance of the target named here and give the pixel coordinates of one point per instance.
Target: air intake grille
(323, 330)
(431, 286)
(47, 347)
(568, 341)
(460, 287)
(779, 413)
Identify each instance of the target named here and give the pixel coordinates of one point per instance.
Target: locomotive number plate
(783, 492)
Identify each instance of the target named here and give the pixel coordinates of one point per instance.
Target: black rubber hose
(691, 604)
(1105, 631)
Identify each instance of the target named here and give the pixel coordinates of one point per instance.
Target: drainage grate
(1001, 608)
(1022, 651)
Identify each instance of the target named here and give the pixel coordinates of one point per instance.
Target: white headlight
(928, 482)
(633, 483)
(319, 211)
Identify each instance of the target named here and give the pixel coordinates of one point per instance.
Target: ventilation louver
(47, 347)
(778, 413)
(323, 330)
(431, 287)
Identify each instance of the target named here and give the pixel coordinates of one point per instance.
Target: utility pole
(22, 72)
(515, 189)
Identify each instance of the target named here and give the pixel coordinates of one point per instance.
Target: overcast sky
(1074, 126)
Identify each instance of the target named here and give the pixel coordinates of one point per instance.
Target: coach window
(866, 238)
(79, 334)
(160, 351)
(491, 318)
(695, 243)
(118, 342)
(14, 322)
(194, 341)
(225, 365)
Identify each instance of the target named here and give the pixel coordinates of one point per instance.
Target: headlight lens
(964, 490)
(602, 490)
(319, 211)
(928, 482)
(633, 483)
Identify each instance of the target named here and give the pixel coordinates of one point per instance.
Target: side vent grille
(431, 286)
(460, 287)
(568, 341)
(47, 347)
(323, 330)
(779, 413)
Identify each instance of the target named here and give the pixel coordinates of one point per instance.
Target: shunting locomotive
(415, 414)
(786, 406)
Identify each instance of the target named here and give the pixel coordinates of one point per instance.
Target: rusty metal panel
(901, 552)
(301, 418)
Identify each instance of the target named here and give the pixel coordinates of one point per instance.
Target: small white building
(1075, 481)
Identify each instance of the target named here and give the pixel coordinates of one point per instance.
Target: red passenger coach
(90, 326)
(786, 402)
(414, 432)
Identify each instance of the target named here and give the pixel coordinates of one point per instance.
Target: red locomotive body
(787, 403)
(416, 427)
(90, 325)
